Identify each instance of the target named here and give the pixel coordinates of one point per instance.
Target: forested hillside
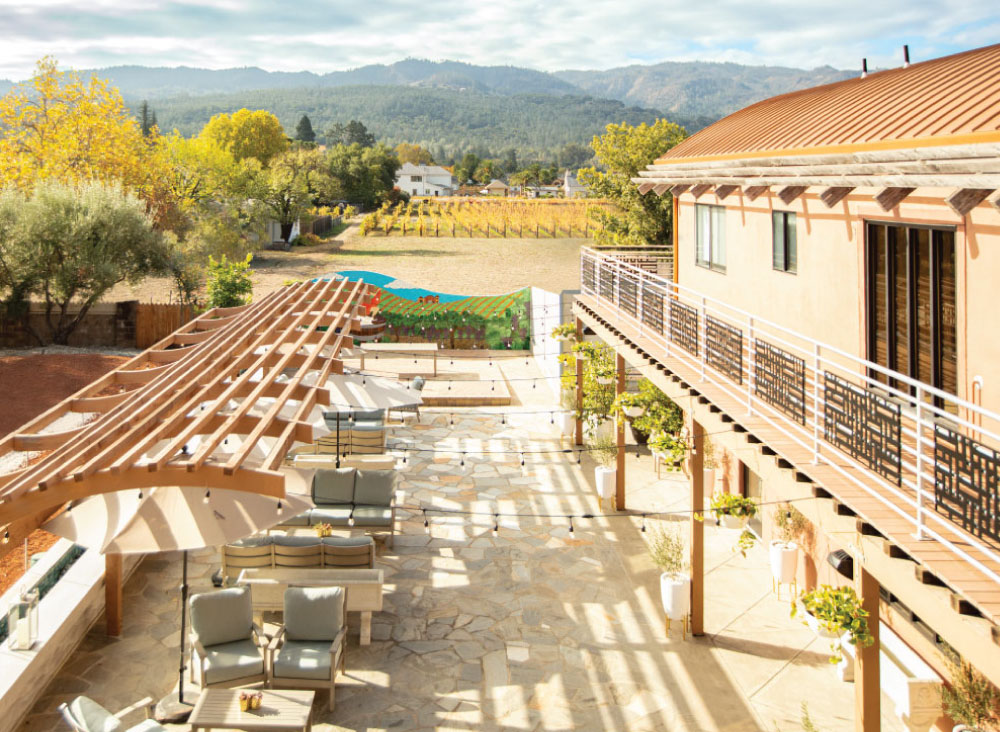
(698, 88)
(435, 118)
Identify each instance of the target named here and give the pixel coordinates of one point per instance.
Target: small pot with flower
(605, 452)
(323, 530)
(733, 510)
(832, 612)
(783, 551)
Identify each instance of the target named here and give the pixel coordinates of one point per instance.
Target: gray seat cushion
(367, 427)
(372, 516)
(333, 486)
(348, 540)
(296, 540)
(252, 541)
(229, 661)
(374, 487)
(148, 725)
(302, 660)
(223, 616)
(301, 520)
(313, 613)
(92, 717)
(335, 516)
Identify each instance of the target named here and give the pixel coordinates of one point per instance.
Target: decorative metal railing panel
(627, 295)
(967, 481)
(608, 277)
(724, 348)
(684, 326)
(864, 424)
(652, 309)
(780, 379)
(589, 275)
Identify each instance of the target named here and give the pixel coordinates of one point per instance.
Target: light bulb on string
(643, 529)
(462, 462)
(6, 536)
(579, 456)
(208, 494)
(427, 524)
(571, 524)
(350, 518)
(140, 494)
(496, 524)
(522, 459)
(281, 509)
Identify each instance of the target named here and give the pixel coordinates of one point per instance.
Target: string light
(571, 524)
(140, 494)
(208, 494)
(427, 524)
(6, 536)
(281, 509)
(522, 459)
(643, 529)
(350, 518)
(496, 524)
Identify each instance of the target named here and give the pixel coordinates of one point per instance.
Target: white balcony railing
(926, 455)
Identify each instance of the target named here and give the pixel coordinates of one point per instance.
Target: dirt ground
(459, 266)
(31, 384)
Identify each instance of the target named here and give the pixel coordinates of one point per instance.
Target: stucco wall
(825, 300)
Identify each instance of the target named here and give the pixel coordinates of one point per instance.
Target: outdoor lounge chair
(309, 648)
(227, 647)
(83, 714)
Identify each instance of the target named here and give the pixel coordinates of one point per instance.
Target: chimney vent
(906, 56)
(864, 68)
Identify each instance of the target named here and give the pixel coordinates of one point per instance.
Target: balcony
(919, 465)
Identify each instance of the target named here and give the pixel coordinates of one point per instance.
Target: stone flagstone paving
(537, 628)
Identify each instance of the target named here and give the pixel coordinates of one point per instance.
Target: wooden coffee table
(280, 711)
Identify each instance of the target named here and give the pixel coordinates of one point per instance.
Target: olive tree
(68, 245)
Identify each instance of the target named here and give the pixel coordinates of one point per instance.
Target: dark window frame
(789, 224)
(710, 263)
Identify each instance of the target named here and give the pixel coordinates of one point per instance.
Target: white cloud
(325, 36)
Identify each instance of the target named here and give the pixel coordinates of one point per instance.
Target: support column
(579, 384)
(697, 531)
(867, 689)
(620, 439)
(113, 593)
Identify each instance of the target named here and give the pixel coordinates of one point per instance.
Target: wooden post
(697, 531)
(579, 384)
(620, 440)
(867, 689)
(113, 593)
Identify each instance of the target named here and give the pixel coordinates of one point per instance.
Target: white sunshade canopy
(355, 391)
(175, 518)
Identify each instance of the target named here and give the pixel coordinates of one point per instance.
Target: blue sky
(543, 34)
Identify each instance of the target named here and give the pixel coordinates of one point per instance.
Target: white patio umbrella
(175, 518)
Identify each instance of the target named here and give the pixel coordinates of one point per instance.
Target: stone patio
(535, 629)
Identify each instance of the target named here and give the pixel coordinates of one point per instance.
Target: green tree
(247, 134)
(572, 155)
(230, 284)
(364, 175)
(304, 130)
(623, 151)
(69, 245)
(295, 181)
(352, 133)
(487, 171)
(147, 119)
(466, 169)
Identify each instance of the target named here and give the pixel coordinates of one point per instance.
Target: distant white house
(572, 188)
(425, 180)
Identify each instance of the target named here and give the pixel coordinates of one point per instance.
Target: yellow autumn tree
(59, 126)
(248, 134)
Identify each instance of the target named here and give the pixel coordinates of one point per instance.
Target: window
(711, 237)
(784, 255)
(416, 178)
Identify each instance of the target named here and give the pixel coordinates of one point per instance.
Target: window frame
(715, 243)
(789, 224)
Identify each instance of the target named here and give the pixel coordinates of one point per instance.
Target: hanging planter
(831, 612)
(733, 510)
(605, 380)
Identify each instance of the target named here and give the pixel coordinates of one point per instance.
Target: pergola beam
(723, 191)
(752, 193)
(834, 195)
(965, 199)
(790, 193)
(699, 189)
(889, 198)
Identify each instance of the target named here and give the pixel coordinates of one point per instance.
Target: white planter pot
(784, 558)
(634, 412)
(675, 594)
(815, 626)
(567, 423)
(733, 522)
(605, 380)
(709, 478)
(605, 478)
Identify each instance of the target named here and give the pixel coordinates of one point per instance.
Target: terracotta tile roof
(950, 99)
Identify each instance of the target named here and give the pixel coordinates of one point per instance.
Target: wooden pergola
(197, 387)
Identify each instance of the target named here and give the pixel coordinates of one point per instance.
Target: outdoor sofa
(307, 552)
(346, 497)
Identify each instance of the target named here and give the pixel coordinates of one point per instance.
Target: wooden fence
(155, 321)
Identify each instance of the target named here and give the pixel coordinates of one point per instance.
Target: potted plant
(605, 452)
(709, 463)
(671, 448)
(789, 523)
(564, 332)
(598, 398)
(971, 700)
(733, 510)
(323, 530)
(666, 548)
(832, 612)
(605, 374)
(630, 405)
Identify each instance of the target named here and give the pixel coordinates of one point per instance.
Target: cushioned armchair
(227, 647)
(309, 648)
(85, 715)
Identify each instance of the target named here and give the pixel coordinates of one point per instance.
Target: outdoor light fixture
(208, 494)
(281, 509)
(350, 518)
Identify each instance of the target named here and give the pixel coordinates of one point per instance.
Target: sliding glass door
(911, 303)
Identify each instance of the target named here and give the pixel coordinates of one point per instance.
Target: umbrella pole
(172, 709)
(338, 437)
